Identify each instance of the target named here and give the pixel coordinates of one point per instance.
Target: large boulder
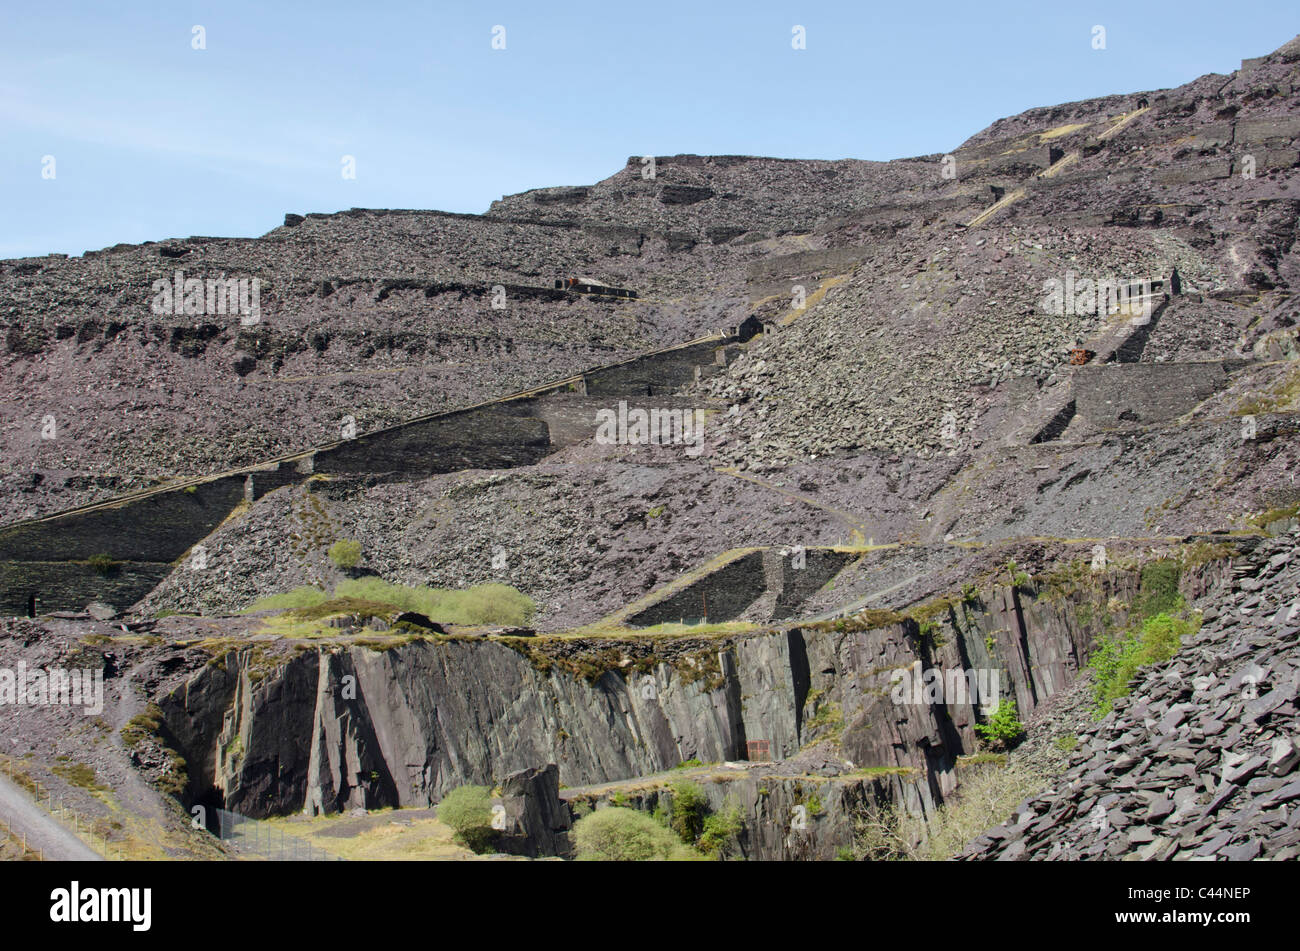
(537, 822)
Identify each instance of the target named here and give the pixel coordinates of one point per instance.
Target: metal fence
(82, 827)
(252, 837)
(270, 842)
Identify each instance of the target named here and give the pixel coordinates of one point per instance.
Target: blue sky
(153, 139)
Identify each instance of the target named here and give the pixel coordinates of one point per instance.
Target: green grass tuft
(482, 604)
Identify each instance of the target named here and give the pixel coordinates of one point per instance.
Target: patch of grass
(867, 620)
(703, 630)
(1283, 395)
(868, 772)
(302, 597)
(398, 837)
(1264, 519)
(1067, 743)
(826, 724)
(704, 666)
(927, 615)
(363, 608)
(1117, 658)
(482, 604)
(142, 726)
(146, 727)
(1202, 553)
(102, 563)
(79, 774)
(1064, 579)
(982, 759)
(933, 631)
(983, 800)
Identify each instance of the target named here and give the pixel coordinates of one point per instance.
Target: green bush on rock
(617, 834)
(468, 811)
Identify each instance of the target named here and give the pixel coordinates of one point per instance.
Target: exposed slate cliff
(343, 726)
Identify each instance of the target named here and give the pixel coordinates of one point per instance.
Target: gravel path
(24, 817)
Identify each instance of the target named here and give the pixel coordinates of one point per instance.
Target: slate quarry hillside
(922, 392)
(913, 451)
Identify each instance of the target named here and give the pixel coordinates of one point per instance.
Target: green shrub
(1117, 659)
(615, 834)
(720, 831)
(690, 807)
(496, 604)
(102, 563)
(1003, 728)
(1019, 579)
(345, 553)
(981, 801)
(468, 811)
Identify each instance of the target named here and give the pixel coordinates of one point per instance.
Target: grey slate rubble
(1199, 762)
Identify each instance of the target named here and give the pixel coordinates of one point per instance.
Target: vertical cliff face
(344, 726)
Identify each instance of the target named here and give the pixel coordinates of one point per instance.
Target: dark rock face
(1199, 762)
(684, 194)
(331, 730)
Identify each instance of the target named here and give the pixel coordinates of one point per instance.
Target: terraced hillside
(924, 438)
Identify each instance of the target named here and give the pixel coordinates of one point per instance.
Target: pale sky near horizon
(154, 139)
